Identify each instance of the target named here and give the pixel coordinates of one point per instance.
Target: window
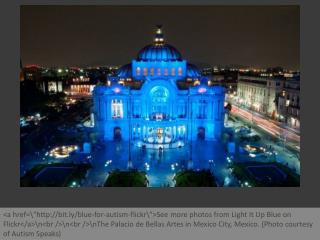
(173, 71)
(166, 72)
(145, 71)
(151, 71)
(180, 71)
(159, 71)
(138, 71)
(116, 108)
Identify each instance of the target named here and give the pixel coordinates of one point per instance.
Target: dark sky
(103, 35)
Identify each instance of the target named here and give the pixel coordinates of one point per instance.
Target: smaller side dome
(193, 71)
(125, 71)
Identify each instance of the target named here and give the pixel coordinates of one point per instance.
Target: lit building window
(287, 103)
(166, 72)
(145, 71)
(159, 71)
(138, 71)
(173, 71)
(117, 108)
(151, 71)
(179, 71)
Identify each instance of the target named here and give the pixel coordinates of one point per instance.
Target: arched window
(166, 72)
(138, 71)
(173, 71)
(159, 71)
(180, 71)
(151, 71)
(145, 71)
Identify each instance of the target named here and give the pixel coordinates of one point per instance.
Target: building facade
(289, 103)
(259, 94)
(159, 100)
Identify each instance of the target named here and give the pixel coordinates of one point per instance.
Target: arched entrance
(117, 133)
(201, 133)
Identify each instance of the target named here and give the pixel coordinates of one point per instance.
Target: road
(270, 126)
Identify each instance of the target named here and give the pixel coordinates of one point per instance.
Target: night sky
(104, 35)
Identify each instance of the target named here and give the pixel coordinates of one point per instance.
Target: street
(268, 125)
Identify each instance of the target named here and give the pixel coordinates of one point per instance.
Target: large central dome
(163, 52)
(159, 50)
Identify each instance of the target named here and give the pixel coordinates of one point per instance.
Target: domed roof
(125, 71)
(193, 71)
(159, 52)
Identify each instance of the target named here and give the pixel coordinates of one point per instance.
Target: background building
(289, 103)
(259, 93)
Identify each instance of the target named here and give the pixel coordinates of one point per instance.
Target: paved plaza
(161, 165)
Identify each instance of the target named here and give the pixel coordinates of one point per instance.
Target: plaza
(161, 166)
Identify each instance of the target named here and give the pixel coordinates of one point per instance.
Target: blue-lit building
(159, 100)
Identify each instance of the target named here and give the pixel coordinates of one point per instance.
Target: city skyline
(89, 35)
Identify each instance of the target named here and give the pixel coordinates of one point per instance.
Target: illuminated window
(287, 103)
(179, 71)
(145, 71)
(166, 72)
(138, 71)
(151, 71)
(173, 71)
(159, 71)
(116, 108)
